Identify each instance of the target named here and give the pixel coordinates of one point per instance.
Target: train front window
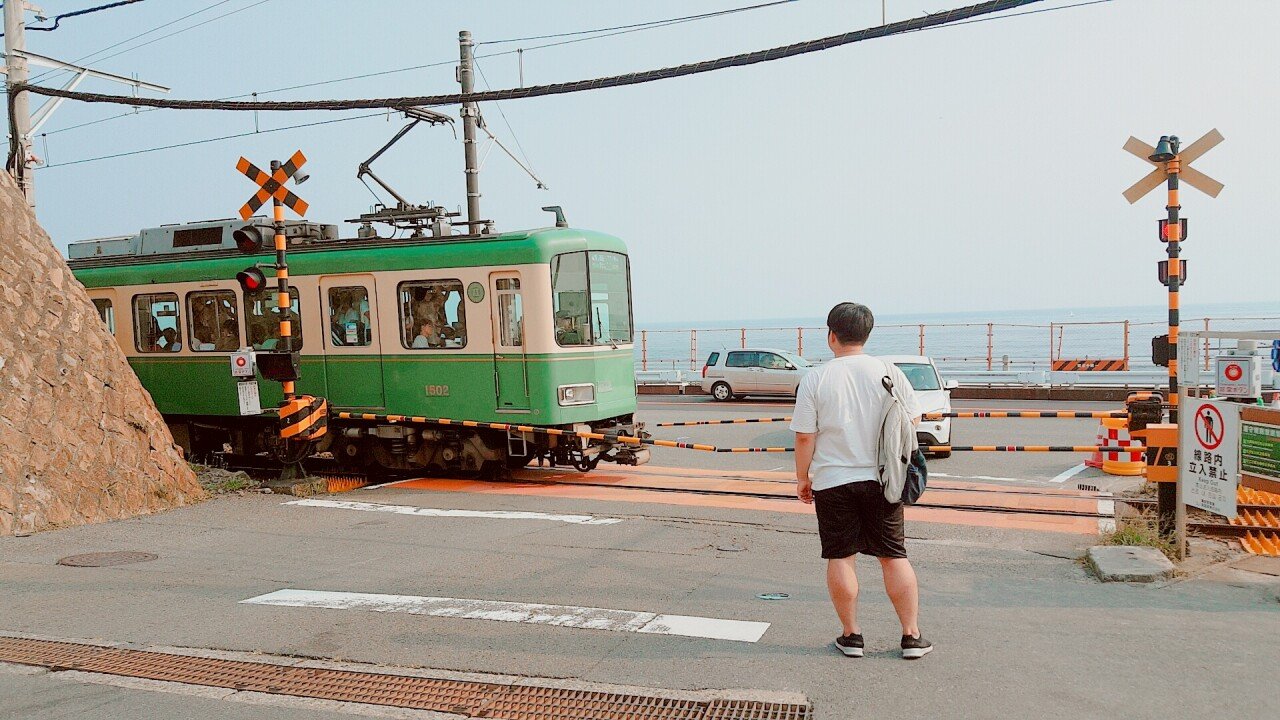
(157, 327)
(569, 298)
(610, 297)
(262, 319)
(591, 293)
(432, 315)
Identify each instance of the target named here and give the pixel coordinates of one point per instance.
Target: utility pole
(15, 63)
(470, 116)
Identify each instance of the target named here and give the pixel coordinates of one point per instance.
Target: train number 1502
(437, 391)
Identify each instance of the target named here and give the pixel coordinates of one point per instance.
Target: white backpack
(898, 442)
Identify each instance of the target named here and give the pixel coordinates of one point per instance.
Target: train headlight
(583, 394)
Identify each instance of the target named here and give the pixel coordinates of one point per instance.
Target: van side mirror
(951, 384)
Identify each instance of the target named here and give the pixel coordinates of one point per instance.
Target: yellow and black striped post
(1167, 504)
(282, 281)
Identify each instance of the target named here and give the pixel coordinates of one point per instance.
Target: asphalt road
(1021, 630)
(1020, 468)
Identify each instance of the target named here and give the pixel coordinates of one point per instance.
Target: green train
(532, 328)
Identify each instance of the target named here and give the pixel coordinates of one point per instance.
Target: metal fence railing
(958, 347)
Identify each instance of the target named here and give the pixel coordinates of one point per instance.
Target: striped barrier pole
(1028, 414)
(631, 440)
(1095, 414)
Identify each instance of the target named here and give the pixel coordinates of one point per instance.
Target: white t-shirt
(842, 401)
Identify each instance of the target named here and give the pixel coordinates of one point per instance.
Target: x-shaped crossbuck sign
(272, 185)
(1193, 177)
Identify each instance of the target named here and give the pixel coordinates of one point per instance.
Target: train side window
(107, 312)
(214, 324)
(349, 317)
(432, 315)
(157, 325)
(262, 319)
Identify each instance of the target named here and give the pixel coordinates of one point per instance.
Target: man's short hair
(851, 323)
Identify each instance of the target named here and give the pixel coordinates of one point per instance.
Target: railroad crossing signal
(1193, 177)
(273, 186)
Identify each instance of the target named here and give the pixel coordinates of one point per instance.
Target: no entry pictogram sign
(273, 186)
(1210, 427)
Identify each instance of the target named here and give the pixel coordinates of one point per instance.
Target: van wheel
(721, 392)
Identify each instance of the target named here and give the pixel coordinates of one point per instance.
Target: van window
(432, 315)
(215, 324)
(742, 358)
(349, 316)
(107, 313)
(262, 319)
(713, 359)
(157, 327)
(772, 361)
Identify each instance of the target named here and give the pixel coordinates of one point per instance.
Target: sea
(1011, 340)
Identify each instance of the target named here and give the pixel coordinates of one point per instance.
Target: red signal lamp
(248, 239)
(251, 279)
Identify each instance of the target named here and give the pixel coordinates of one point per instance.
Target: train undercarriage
(372, 445)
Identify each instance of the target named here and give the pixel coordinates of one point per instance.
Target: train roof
(349, 255)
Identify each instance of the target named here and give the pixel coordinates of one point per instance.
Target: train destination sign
(1209, 455)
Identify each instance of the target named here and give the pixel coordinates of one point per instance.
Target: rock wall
(80, 439)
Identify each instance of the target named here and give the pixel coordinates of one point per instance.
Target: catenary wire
(157, 28)
(933, 22)
(214, 139)
(57, 19)
(640, 25)
(653, 24)
(635, 78)
(507, 122)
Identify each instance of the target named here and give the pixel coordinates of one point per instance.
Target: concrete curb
(1128, 563)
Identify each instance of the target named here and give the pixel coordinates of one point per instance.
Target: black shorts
(855, 518)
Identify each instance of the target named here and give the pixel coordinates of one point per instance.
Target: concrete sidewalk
(1021, 631)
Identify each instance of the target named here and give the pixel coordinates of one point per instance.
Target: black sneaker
(850, 645)
(914, 648)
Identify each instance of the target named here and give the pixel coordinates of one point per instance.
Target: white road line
(977, 477)
(531, 613)
(1066, 475)
(1108, 508)
(440, 512)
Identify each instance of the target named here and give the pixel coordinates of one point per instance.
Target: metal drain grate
(473, 699)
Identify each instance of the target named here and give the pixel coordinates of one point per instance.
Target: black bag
(917, 478)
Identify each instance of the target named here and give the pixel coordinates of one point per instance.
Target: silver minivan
(752, 371)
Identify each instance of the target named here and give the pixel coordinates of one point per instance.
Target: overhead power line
(57, 19)
(641, 25)
(636, 78)
(94, 55)
(213, 140)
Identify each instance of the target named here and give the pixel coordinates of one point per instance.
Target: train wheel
(721, 392)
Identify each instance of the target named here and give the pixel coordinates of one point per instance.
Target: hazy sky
(968, 168)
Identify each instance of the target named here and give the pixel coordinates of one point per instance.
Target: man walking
(839, 406)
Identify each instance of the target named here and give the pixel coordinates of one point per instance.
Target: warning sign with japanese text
(1209, 453)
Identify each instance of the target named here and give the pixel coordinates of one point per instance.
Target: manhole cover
(106, 559)
(773, 596)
